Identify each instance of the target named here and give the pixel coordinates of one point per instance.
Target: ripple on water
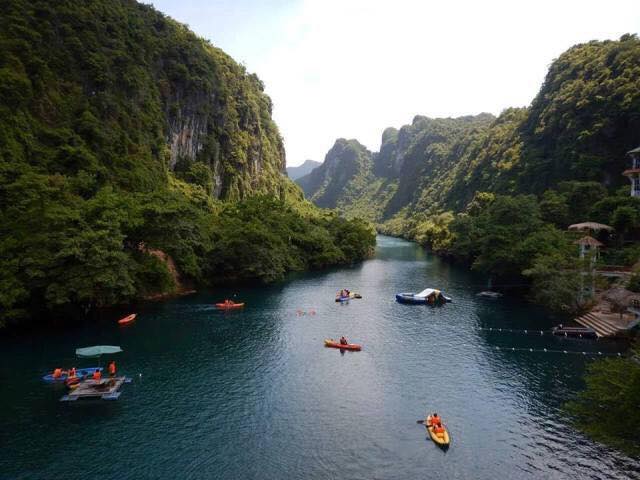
(254, 394)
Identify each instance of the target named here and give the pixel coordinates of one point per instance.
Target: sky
(351, 68)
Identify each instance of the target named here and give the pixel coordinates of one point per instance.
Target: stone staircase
(602, 326)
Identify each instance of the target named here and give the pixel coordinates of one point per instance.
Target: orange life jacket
(112, 368)
(57, 373)
(97, 375)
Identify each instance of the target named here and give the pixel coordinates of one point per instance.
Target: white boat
(428, 295)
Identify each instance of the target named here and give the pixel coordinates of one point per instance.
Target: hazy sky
(351, 68)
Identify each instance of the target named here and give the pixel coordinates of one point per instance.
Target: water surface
(255, 395)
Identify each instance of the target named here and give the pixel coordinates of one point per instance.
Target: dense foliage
(262, 238)
(608, 408)
(123, 134)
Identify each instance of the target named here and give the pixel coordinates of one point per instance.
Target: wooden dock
(105, 389)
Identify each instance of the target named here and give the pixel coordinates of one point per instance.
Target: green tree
(611, 393)
(625, 220)
(554, 209)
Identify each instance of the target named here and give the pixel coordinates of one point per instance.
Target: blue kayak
(80, 373)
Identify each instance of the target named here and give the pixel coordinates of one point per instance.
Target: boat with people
(437, 431)
(345, 295)
(330, 342)
(128, 319)
(575, 332)
(429, 296)
(229, 305)
(60, 375)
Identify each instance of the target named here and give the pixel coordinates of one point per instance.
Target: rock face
(223, 121)
(132, 94)
(342, 175)
(302, 170)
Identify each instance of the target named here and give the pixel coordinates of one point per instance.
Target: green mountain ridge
(122, 133)
(579, 127)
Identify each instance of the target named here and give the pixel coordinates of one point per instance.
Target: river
(255, 395)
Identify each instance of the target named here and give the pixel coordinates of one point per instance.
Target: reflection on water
(254, 394)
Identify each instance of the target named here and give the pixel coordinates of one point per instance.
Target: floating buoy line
(564, 352)
(314, 311)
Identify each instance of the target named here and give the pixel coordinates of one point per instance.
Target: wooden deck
(105, 389)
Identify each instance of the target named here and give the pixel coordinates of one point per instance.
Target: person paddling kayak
(343, 341)
(434, 420)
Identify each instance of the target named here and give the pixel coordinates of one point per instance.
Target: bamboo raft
(105, 389)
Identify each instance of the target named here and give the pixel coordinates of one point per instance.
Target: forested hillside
(123, 133)
(579, 127)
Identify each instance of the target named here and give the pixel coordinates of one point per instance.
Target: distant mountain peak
(296, 172)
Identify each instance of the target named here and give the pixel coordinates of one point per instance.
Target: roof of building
(621, 295)
(587, 240)
(590, 226)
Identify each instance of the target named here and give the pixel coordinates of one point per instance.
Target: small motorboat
(442, 439)
(575, 332)
(80, 373)
(489, 294)
(429, 296)
(330, 342)
(128, 319)
(229, 306)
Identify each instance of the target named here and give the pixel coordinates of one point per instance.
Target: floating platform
(105, 389)
(575, 332)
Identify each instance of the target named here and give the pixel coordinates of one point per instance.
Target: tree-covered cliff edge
(123, 134)
(475, 187)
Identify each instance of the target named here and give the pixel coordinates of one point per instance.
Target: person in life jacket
(57, 373)
(112, 369)
(97, 375)
(435, 420)
(72, 373)
(343, 341)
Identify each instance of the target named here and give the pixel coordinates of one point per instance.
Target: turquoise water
(255, 395)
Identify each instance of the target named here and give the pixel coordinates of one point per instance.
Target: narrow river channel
(254, 394)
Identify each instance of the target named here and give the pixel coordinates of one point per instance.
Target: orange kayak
(127, 319)
(227, 306)
(330, 342)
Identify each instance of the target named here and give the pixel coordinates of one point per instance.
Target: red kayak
(330, 342)
(229, 306)
(127, 319)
